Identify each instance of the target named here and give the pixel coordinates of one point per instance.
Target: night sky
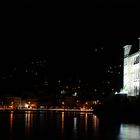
(76, 43)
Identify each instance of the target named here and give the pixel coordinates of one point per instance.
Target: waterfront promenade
(48, 109)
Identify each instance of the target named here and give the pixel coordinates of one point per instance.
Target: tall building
(131, 72)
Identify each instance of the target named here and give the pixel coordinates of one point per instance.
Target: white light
(62, 92)
(26, 105)
(75, 94)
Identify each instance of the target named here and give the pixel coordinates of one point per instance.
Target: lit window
(136, 60)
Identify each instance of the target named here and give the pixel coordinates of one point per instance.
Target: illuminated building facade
(131, 72)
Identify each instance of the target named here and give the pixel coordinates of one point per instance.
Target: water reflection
(62, 123)
(65, 125)
(86, 122)
(11, 119)
(95, 123)
(75, 127)
(129, 132)
(75, 123)
(27, 119)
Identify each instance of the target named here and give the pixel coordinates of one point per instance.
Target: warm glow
(26, 105)
(11, 106)
(86, 122)
(62, 125)
(96, 122)
(11, 119)
(29, 119)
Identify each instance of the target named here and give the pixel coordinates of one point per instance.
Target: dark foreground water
(43, 125)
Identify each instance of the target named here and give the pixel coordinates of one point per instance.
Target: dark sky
(35, 29)
(76, 39)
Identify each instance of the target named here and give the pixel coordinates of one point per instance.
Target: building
(131, 72)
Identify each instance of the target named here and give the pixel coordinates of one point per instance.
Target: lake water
(45, 125)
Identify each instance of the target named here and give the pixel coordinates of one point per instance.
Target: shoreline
(61, 110)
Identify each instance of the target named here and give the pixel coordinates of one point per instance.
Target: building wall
(131, 74)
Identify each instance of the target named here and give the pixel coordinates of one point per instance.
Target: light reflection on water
(62, 125)
(65, 125)
(86, 118)
(27, 119)
(129, 132)
(95, 124)
(75, 123)
(11, 119)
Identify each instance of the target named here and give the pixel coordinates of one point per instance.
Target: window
(136, 60)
